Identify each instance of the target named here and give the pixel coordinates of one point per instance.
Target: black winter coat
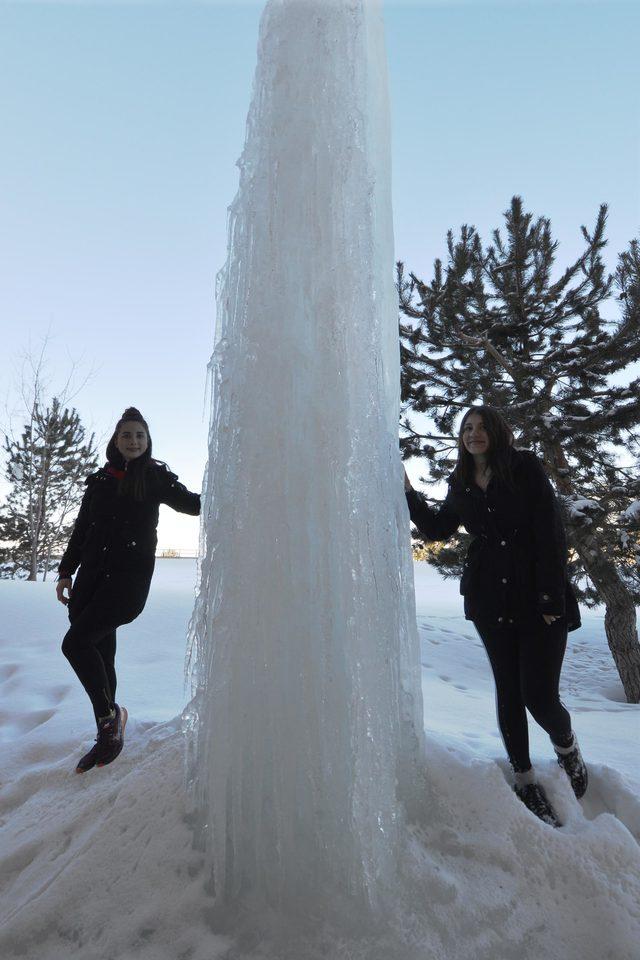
(516, 565)
(114, 536)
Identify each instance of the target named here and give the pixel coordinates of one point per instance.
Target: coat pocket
(471, 567)
(466, 579)
(468, 575)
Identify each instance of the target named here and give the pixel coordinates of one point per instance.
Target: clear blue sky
(120, 126)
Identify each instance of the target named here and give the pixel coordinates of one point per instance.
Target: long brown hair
(499, 457)
(134, 482)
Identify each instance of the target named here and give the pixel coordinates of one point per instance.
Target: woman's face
(474, 435)
(132, 440)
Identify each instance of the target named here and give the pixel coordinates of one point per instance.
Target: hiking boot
(111, 737)
(535, 799)
(574, 766)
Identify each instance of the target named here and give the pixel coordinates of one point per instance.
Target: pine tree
(494, 326)
(46, 468)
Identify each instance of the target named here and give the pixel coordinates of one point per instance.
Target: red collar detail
(119, 474)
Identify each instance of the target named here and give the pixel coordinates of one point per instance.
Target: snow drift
(102, 867)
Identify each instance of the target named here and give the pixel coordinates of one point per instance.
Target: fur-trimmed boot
(528, 789)
(570, 759)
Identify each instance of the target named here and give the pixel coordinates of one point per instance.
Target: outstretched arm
(432, 524)
(176, 495)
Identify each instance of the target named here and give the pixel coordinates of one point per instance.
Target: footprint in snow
(7, 670)
(14, 725)
(57, 694)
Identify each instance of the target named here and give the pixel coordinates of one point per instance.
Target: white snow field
(102, 867)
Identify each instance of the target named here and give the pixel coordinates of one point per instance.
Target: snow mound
(99, 865)
(102, 866)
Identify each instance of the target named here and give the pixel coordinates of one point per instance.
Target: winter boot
(535, 799)
(111, 737)
(570, 759)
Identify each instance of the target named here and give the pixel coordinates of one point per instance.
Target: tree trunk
(620, 610)
(39, 516)
(33, 553)
(620, 613)
(33, 563)
(47, 561)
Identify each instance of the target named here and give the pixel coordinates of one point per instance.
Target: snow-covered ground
(101, 866)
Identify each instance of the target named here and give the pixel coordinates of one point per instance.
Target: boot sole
(86, 769)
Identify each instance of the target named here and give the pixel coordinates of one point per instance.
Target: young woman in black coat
(515, 587)
(113, 543)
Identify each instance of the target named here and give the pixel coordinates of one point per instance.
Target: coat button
(500, 619)
(468, 489)
(104, 548)
(133, 543)
(510, 620)
(504, 579)
(545, 596)
(503, 543)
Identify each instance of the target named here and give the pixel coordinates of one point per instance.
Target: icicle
(306, 724)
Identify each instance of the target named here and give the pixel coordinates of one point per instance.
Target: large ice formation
(306, 723)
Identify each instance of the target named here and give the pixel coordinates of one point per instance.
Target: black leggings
(90, 643)
(526, 661)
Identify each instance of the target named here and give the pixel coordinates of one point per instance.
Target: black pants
(98, 606)
(526, 660)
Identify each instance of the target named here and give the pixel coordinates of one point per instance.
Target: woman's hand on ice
(61, 586)
(407, 482)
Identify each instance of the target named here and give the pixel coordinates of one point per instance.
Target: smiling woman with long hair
(113, 544)
(515, 587)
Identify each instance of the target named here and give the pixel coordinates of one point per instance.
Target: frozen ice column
(306, 739)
